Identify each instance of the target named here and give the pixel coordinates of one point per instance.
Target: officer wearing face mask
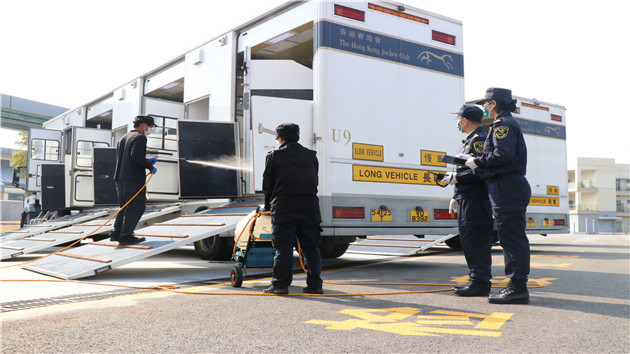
(131, 163)
(504, 163)
(471, 203)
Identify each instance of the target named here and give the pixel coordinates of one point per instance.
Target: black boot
(515, 293)
(473, 288)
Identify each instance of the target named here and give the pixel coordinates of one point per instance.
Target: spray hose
(174, 288)
(90, 234)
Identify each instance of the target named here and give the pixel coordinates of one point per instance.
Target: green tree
(19, 157)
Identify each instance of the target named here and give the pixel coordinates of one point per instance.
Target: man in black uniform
(474, 218)
(505, 162)
(290, 184)
(131, 163)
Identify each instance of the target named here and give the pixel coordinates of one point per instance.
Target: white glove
(453, 206)
(471, 163)
(464, 156)
(450, 178)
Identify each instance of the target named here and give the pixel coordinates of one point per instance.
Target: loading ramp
(396, 245)
(97, 257)
(51, 225)
(77, 230)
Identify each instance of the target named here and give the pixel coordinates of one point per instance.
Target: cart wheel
(237, 276)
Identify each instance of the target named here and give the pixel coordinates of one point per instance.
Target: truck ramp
(76, 231)
(396, 245)
(97, 257)
(51, 225)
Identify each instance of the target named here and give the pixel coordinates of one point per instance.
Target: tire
(330, 249)
(454, 243)
(236, 276)
(213, 248)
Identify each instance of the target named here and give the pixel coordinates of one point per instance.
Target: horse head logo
(556, 130)
(446, 59)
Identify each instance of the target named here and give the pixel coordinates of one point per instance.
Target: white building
(599, 196)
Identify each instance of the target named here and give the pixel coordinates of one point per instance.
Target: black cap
(143, 119)
(471, 112)
(496, 94)
(289, 132)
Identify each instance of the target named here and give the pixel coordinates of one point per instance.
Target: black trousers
(509, 196)
(285, 229)
(128, 218)
(475, 231)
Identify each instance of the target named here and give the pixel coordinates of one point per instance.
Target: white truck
(371, 84)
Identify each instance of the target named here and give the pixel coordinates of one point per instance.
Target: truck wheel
(237, 276)
(454, 243)
(330, 249)
(213, 248)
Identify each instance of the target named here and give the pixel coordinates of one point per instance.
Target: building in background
(18, 114)
(599, 196)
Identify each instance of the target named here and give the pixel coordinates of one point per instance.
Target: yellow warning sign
(432, 158)
(381, 215)
(553, 190)
(392, 175)
(544, 201)
(419, 216)
(367, 152)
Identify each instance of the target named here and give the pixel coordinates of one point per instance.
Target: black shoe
(473, 289)
(309, 290)
(131, 240)
(459, 286)
(514, 293)
(114, 236)
(278, 291)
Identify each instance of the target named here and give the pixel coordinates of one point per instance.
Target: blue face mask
(459, 127)
(486, 112)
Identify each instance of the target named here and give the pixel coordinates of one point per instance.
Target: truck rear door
(84, 140)
(44, 146)
(279, 91)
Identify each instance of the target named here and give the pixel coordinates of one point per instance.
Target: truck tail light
(397, 13)
(349, 12)
(348, 212)
(558, 222)
(556, 117)
(443, 37)
(443, 214)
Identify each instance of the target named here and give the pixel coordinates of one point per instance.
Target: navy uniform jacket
(504, 152)
(290, 180)
(131, 159)
(469, 185)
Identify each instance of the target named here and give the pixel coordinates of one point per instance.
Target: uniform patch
(479, 147)
(501, 132)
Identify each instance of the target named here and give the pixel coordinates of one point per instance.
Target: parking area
(582, 305)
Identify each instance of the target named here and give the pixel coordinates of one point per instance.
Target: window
(47, 150)
(84, 152)
(164, 136)
(618, 183)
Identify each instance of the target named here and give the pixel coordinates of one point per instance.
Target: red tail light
(348, 213)
(558, 222)
(442, 214)
(443, 37)
(556, 117)
(350, 13)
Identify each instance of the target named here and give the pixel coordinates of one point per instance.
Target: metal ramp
(75, 231)
(97, 257)
(51, 225)
(395, 245)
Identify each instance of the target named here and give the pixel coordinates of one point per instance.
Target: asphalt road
(582, 307)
